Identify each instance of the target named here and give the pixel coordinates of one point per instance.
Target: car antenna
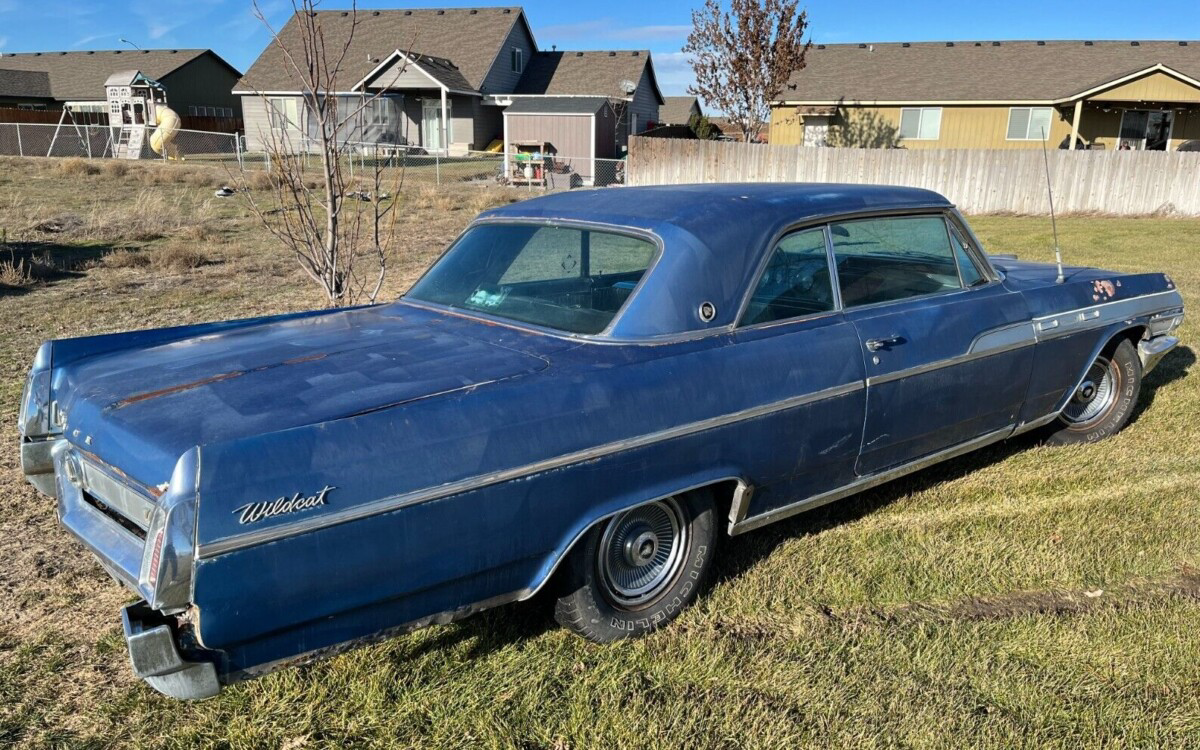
(1053, 222)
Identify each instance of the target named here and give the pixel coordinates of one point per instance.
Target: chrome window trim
(765, 263)
(429, 494)
(974, 246)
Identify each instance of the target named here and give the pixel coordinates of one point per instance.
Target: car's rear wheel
(1104, 401)
(636, 571)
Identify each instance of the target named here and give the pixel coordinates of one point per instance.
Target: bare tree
(743, 57)
(340, 228)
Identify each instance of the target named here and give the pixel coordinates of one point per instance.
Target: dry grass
(949, 609)
(16, 274)
(78, 167)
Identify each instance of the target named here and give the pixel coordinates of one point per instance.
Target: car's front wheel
(636, 571)
(1104, 401)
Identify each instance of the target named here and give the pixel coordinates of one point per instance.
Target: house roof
(80, 76)
(556, 105)
(978, 71)
(467, 40)
(586, 73)
(34, 84)
(677, 110)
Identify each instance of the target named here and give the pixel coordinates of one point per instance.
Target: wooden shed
(579, 130)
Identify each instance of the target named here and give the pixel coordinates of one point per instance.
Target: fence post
(87, 137)
(437, 168)
(237, 149)
(20, 148)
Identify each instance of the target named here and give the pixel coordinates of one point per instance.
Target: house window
(1029, 123)
(283, 111)
(921, 123)
(518, 59)
(202, 111)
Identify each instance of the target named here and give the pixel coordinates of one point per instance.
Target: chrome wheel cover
(1095, 397)
(641, 552)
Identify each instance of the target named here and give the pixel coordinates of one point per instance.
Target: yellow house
(1104, 94)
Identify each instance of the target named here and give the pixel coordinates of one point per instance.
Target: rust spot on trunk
(148, 395)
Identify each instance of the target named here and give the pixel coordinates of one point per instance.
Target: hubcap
(641, 553)
(1095, 396)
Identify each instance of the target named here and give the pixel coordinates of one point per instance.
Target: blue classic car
(585, 392)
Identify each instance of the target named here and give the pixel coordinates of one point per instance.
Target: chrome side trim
(995, 341)
(1103, 314)
(396, 502)
(868, 482)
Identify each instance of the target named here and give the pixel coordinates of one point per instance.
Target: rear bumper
(157, 658)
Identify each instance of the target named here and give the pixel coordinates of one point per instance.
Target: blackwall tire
(636, 571)
(1103, 403)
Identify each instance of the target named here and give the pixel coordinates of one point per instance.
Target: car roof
(713, 236)
(705, 210)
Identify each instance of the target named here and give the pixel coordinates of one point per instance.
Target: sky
(229, 26)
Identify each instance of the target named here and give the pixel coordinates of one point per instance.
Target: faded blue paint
(384, 401)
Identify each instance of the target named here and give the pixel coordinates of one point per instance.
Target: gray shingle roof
(556, 105)
(34, 84)
(468, 39)
(591, 73)
(978, 71)
(80, 76)
(677, 110)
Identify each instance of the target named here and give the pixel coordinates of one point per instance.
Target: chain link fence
(412, 164)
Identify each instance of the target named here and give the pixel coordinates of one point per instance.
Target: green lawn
(1021, 596)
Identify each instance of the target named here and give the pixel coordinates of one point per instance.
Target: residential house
(679, 110)
(197, 81)
(1095, 94)
(442, 79)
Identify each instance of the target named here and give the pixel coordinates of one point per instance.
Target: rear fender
(605, 510)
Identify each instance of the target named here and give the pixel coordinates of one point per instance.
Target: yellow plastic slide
(168, 127)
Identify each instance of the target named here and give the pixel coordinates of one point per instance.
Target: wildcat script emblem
(254, 512)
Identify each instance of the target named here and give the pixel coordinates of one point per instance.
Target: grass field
(1023, 596)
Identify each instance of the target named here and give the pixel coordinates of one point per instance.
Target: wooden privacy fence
(1124, 183)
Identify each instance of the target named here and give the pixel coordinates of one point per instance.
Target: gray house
(441, 80)
(197, 81)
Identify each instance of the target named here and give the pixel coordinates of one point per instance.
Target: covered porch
(1157, 109)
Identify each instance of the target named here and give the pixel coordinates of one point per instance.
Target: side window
(881, 260)
(795, 282)
(971, 275)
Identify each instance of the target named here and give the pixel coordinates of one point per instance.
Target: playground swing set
(136, 106)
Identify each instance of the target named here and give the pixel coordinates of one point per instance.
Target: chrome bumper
(37, 464)
(156, 658)
(1151, 351)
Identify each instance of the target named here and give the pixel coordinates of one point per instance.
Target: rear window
(568, 279)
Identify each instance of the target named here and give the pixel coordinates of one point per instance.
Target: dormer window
(518, 60)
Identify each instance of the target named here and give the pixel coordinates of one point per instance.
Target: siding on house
(1156, 87)
(645, 102)
(501, 78)
(258, 122)
(204, 81)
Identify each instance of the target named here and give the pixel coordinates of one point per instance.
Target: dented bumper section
(158, 658)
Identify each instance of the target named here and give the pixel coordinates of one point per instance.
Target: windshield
(569, 279)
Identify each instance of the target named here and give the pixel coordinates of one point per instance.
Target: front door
(947, 350)
(431, 119)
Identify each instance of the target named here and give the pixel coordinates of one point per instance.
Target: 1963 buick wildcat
(585, 392)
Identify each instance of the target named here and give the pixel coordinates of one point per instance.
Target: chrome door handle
(874, 345)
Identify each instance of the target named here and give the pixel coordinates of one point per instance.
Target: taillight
(155, 559)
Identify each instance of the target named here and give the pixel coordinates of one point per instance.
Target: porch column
(445, 124)
(1075, 124)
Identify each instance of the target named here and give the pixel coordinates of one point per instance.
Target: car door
(947, 349)
(793, 347)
